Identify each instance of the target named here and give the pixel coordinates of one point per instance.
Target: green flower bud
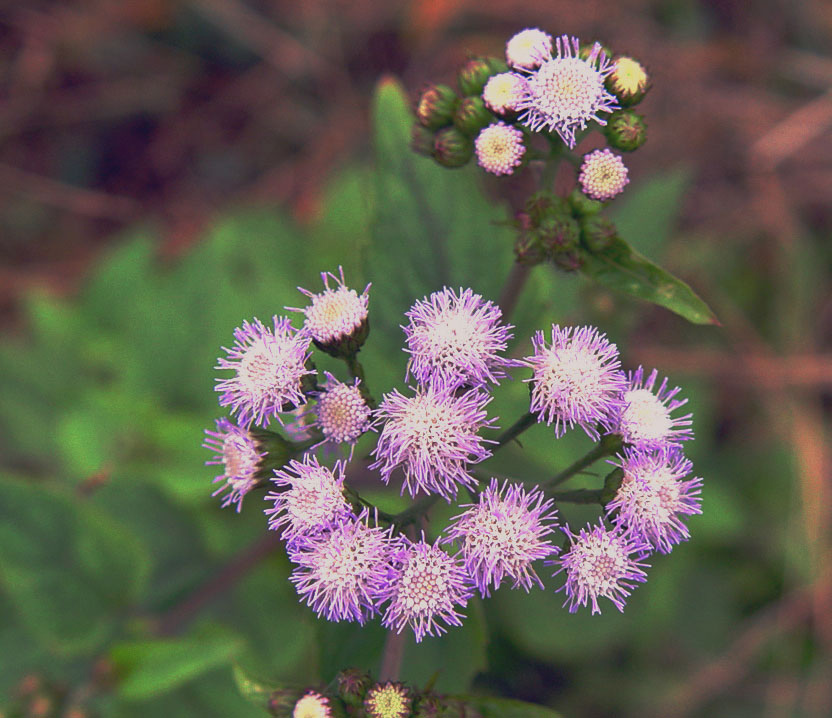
(569, 261)
(352, 685)
(626, 131)
(430, 705)
(628, 81)
(597, 233)
(472, 115)
(528, 250)
(436, 106)
(542, 204)
(388, 700)
(474, 74)
(586, 50)
(451, 148)
(278, 450)
(611, 485)
(583, 206)
(421, 139)
(559, 233)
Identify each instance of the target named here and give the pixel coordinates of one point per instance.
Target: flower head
(312, 705)
(499, 148)
(603, 175)
(336, 314)
(601, 563)
(312, 499)
(654, 496)
(341, 413)
(424, 588)
(567, 92)
(644, 416)
(628, 80)
(433, 436)
(457, 339)
(239, 454)
(528, 48)
(503, 92)
(502, 534)
(340, 573)
(269, 367)
(388, 700)
(576, 380)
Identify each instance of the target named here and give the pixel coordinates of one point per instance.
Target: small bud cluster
(353, 562)
(356, 693)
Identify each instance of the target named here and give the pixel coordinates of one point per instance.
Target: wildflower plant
(429, 438)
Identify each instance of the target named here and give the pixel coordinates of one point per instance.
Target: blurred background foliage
(170, 167)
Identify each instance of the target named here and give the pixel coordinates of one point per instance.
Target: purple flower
(341, 573)
(336, 313)
(601, 563)
(644, 417)
(502, 534)
(456, 339)
(341, 412)
(654, 496)
(269, 367)
(576, 380)
(240, 456)
(567, 92)
(425, 587)
(433, 437)
(312, 499)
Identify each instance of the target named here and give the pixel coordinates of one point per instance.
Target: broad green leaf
(149, 668)
(70, 570)
(507, 708)
(621, 268)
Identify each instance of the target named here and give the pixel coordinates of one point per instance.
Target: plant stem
(517, 428)
(609, 444)
(357, 372)
(515, 282)
(578, 496)
(412, 513)
(391, 658)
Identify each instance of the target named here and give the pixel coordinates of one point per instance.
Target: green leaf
(507, 708)
(621, 268)
(69, 569)
(152, 667)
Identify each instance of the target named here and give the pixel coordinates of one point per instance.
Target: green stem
(517, 428)
(412, 513)
(357, 372)
(609, 444)
(578, 496)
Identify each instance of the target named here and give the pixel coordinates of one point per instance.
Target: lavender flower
(603, 175)
(566, 92)
(644, 416)
(269, 367)
(654, 496)
(341, 413)
(336, 314)
(425, 587)
(433, 437)
(528, 48)
(576, 380)
(341, 573)
(504, 91)
(502, 534)
(456, 339)
(601, 563)
(312, 499)
(239, 454)
(500, 149)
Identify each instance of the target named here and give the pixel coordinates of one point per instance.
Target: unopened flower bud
(598, 233)
(451, 148)
(583, 206)
(569, 261)
(421, 139)
(628, 81)
(475, 73)
(541, 204)
(352, 686)
(436, 106)
(472, 115)
(559, 233)
(587, 49)
(626, 130)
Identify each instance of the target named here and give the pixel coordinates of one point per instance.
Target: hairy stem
(609, 445)
(517, 428)
(391, 658)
